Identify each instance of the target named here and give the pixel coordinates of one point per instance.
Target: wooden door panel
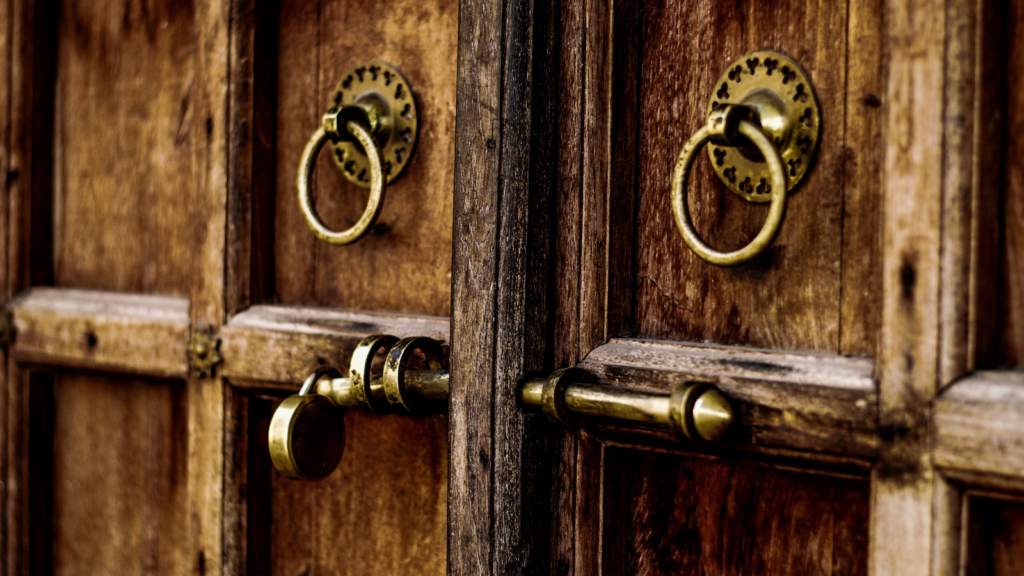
(123, 172)
(995, 537)
(817, 286)
(1011, 299)
(686, 515)
(383, 511)
(404, 265)
(119, 475)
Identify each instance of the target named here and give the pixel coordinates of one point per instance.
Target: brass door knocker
(763, 125)
(372, 126)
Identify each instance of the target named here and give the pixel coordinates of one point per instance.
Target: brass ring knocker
(377, 184)
(722, 120)
(372, 127)
(766, 100)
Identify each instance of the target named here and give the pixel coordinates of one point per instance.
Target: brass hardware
(372, 126)
(763, 129)
(384, 94)
(307, 431)
(203, 351)
(694, 411)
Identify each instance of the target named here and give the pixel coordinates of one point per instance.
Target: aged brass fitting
(694, 411)
(307, 431)
(762, 129)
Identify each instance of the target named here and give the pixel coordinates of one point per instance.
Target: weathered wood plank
(978, 424)
(404, 265)
(790, 297)
(207, 242)
(915, 511)
(862, 165)
(1012, 182)
(126, 127)
(102, 330)
(119, 473)
(709, 516)
(478, 150)
(814, 403)
(284, 343)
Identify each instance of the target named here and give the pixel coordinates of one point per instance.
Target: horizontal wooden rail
(978, 428)
(814, 405)
(102, 330)
(284, 344)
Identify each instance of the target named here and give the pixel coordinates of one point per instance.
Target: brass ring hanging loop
(377, 181)
(724, 123)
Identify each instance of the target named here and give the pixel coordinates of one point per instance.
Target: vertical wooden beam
(930, 231)
(903, 482)
(206, 395)
(499, 484)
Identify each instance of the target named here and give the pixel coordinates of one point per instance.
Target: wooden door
(872, 354)
(150, 150)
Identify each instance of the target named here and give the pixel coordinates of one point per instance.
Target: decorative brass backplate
(779, 90)
(386, 97)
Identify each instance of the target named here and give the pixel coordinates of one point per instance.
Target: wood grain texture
(862, 166)
(800, 402)
(207, 295)
(102, 330)
(119, 498)
(789, 298)
(284, 344)
(995, 537)
(126, 124)
(1012, 281)
(695, 516)
(978, 425)
(910, 502)
(478, 152)
(405, 264)
(384, 510)
(498, 490)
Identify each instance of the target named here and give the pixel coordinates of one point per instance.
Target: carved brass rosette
(783, 96)
(204, 351)
(383, 92)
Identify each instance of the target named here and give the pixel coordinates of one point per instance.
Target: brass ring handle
(377, 184)
(718, 125)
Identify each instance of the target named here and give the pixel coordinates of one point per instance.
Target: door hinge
(203, 351)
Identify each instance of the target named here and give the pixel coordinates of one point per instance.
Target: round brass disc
(783, 96)
(380, 86)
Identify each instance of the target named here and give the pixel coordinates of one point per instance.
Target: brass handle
(377, 185)
(721, 123)
(306, 436)
(372, 126)
(765, 99)
(694, 411)
(307, 431)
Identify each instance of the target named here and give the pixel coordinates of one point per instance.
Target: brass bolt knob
(307, 432)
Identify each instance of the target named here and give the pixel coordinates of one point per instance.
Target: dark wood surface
(811, 287)
(1012, 280)
(995, 537)
(404, 265)
(694, 516)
